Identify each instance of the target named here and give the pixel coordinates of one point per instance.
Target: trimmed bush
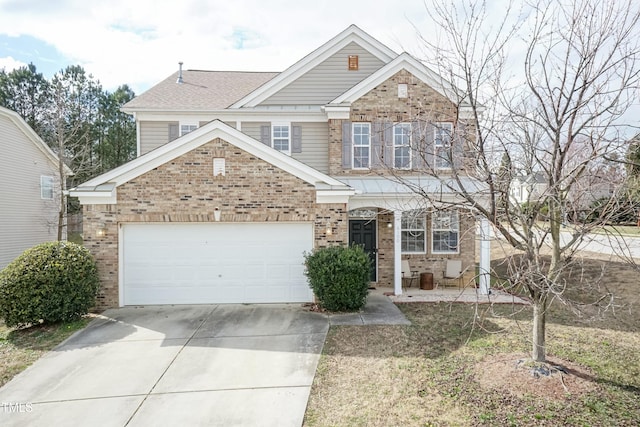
(51, 282)
(339, 277)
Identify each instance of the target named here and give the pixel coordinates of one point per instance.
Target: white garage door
(215, 263)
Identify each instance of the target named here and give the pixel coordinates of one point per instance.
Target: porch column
(397, 252)
(485, 257)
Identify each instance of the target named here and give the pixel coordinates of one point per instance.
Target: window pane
(361, 157)
(445, 231)
(46, 187)
(413, 232)
(281, 138)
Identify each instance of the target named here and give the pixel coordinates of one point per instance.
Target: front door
(363, 232)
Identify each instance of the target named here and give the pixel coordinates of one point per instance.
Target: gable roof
(102, 189)
(349, 35)
(200, 90)
(407, 62)
(33, 137)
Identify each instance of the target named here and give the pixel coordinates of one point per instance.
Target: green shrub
(51, 282)
(339, 276)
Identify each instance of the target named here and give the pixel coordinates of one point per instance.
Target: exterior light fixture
(329, 229)
(390, 224)
(101, 231)
(216, 214)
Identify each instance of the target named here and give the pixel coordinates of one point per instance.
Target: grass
(19, 348)
(426, 374)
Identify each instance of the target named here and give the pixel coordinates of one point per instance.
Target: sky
(140, 42)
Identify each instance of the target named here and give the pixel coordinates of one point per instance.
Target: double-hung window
(361, 145)
(442, 145)
(445, 230)
(414, 232)
(281, 137)
(46, 187)
(186, 127)
(402, 146)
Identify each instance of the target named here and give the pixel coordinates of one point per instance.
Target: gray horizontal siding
(25, 219)
(328, 79)
(315, 142)
(315, 146)
(153, 135)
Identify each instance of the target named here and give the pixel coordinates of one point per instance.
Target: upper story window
(442, 145)
(186, 127)
(414, 232)
(361, 134)
(445, 230)
(46, 187)
(281, 137)
(402, 146)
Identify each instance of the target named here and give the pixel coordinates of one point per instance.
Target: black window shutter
(296, 140)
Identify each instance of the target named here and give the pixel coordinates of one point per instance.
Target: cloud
(140, 42)
(8, 64)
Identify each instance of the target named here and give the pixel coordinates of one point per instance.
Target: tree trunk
(539, 353)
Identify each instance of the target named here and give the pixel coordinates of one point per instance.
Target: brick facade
(184, 190)
(383, 104)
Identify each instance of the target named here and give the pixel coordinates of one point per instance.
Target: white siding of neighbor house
(315, 142)
(25, 218)
(328, 79)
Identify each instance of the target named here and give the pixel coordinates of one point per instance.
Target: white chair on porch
(453, 272)
(408, 275)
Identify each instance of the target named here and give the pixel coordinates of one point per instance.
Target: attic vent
(353, 63)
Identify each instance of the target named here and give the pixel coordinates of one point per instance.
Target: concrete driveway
(204, 365)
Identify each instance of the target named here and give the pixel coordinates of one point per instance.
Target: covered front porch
(399, 228)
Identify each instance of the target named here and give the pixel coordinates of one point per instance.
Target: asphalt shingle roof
(200, 90)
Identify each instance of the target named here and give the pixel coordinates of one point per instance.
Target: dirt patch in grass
(512, 373)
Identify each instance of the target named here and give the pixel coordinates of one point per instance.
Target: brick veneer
(382, 104)
(184, 190)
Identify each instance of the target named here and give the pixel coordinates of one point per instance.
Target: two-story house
(240, 173)
(30, 194)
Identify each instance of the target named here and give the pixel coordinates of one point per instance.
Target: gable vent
(353, 63)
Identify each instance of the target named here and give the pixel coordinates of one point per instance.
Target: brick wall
(422, 103)
(184, 190)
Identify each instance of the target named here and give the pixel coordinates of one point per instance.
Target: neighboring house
(240, 173)
(30, 190)
(527, 188)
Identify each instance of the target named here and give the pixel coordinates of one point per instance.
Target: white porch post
(397, 252)
(485, 256)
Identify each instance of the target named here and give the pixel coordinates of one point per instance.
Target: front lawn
(456, 366)
(19, 348)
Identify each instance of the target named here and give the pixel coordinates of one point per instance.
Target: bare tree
(74, 107)
(544, 88)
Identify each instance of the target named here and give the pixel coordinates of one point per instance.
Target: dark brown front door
(363, 232)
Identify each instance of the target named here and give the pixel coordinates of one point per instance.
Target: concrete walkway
(205, 365)
(379, 310)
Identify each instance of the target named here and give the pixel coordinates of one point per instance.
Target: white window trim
(408, 167)
(353, 145)
(436, 146)
(281, 124)
(434, 229)
(424, 231)
(51, 180)
(187, 123)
